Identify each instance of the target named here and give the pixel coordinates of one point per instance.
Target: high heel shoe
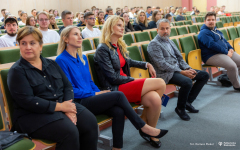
(144, 137)
(161, 134)
(156, 144)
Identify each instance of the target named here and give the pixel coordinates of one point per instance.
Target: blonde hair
(107, 31)
(138, 17)
(177, 12)
(29, 30)
(43, 12)
(172, 8)
(50, 25)
(63, 45)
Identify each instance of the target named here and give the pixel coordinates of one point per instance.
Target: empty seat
(193, 29)
(199, 26)
(92, 70)
(176, 43)
(144, 52)
(49, 50)
(189, 18)
(134, 53)
(86, 44)
(225, 34)
(219, 24)
(128, 39)
(10, 55)
(179, 23)
(198, 19)
(142, 36)
(238, 30)
(153, 34)
(188, 22)
(182, 30)
(196, 40)
(96, 42)
(173, 32)
(187, 45)
(232, 33)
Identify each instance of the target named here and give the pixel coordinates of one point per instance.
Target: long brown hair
(55, 24)
(28, 21)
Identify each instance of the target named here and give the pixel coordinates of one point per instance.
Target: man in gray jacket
(170, 66)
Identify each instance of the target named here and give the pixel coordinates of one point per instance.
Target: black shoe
(161, 134)
(190, 108)
(144, 137)
(182, 114)
(237, 89)
(156, 144)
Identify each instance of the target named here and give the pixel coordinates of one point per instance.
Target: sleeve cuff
(52, 106)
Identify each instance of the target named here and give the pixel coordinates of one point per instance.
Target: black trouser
(188, 92)
(116, 105)
(68, 136)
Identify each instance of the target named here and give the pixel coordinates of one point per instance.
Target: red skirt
(133, 90)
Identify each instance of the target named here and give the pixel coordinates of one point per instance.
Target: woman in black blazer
(43, 99)
(141, 21)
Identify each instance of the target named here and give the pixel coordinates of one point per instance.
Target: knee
(118, 112)
(232, 67)
(71, 133)
(187, 83)
(205, 75)
(155, 100)
(161, 83)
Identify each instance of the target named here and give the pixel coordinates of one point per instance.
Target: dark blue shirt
(78, 74)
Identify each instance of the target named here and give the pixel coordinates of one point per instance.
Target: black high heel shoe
(161, 134)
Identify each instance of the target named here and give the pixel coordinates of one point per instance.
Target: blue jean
(188, 91)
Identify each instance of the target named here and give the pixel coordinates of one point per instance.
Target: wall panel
(231, 5)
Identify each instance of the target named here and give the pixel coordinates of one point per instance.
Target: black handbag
(8, 138)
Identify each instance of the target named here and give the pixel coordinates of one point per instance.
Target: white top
(131, 15)
(50, 36)
(7, 41)
(220, 13)
(21, 23)
(86, 33)
(1, 19)
(76, 19)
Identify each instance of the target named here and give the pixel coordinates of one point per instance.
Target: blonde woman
(75, 65)
(76, 16)
(141, 21)
(31, 21)
(177, 12)
(172, 11)
(53, 24)
(113, 68)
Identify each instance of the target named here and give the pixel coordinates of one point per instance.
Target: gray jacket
(163, 61)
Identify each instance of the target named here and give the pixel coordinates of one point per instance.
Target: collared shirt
(35, 93)
(172, 52)
(148, 15)
(78, 74)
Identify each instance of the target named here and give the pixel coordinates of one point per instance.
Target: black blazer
(107, 65)
(140, 26)
(36, 92)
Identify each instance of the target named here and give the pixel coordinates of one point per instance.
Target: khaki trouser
(232, 65)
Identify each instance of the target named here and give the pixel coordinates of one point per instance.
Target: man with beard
(216, 51)
(11, 26)
(170, 66)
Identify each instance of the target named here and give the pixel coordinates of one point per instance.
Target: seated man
(67, 19)
(217, 51)
(49, 36)
(180, 17)
(170, 66)
(11, 26)
(109, 11)
(89, 31)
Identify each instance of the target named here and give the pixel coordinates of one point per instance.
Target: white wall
(231, 5)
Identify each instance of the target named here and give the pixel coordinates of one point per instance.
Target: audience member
(170, 66)
(184, 11)
(3, 15)
(19, 14)
(81, 22)
(179, 16)
(194, 8)
(86, 10)
(221, 12)
(149, 13)
(23, 18)
(67, 20)
(56, 14)
(169, 18)
(31, 21)
(3, 25)
(132, 13)
(216, 51)
(34, 13)
(197, 12)
(141, 21)
(126, 9)
(223, 8)
(49, 36)
(172, 11)
(96, 12)
(43, 99)
(109, 12)
(212, 9)
(76, 17)
(50, 11)
(217, 9)
(153, 8)
(114, 72)
(156, 15)
(128, 25)
(100, 18)
(89, 31)
(116, 105)
(53, 23)
(11, 26)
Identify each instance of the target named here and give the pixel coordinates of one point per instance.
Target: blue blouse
(78, 74)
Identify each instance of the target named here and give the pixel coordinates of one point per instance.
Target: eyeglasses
(41, 20)
(92, 18)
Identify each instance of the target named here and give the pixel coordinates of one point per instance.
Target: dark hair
(197, 11)
(109, 9)
(88, 14)
(3, 10)
(28, 21)
(19, 11)
(168, 15)
(33, 10)
(149, 7)
(210, 14)
(99, 21)
(64, 13)
(132, 8)
(157, 7)
(123, 14)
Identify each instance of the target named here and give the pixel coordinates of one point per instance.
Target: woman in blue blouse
(114, 104)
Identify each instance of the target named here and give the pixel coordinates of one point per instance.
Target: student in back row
(49, 36)
(141, 21)
(11, 26)
(67, 19)
(89, 31)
